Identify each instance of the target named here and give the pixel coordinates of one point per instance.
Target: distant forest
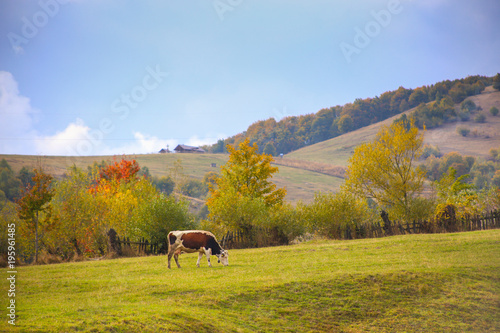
(294, 132)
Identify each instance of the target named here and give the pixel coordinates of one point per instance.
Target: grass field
(416, 283)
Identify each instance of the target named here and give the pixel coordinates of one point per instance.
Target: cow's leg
(170, 253)
(176, 257)
(199, 259)
(208, 253)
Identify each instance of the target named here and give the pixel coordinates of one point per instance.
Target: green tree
(417, 97)
(269, 149)
(164, 184)
(158, 216)
(26, 176)
(384, 169)
(9, 184)
(73, 208)
(35, 200)
(496, 82)
(194, 188)
(494, 111)
(219, 147)
(345, 124)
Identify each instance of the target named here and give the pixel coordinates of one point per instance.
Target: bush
(463, 131)
(194, 188)
(431, 150)
(464, 115)
(164, 184)
(156, 218)
(330, 214)
(480, 118)
(287, 222)
(494, 111)
(468, 105)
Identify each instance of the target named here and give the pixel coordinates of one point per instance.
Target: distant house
(188, 149)
(164, 151)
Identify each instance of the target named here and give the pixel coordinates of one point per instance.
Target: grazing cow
(190, 241)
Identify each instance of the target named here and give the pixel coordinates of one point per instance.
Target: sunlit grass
(442, 282)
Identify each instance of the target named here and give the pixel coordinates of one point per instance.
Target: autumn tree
(496, 82)
(384, 169)
(35, 200)
(452, 190)
(75, 210)
(244, 191)
(123, 170)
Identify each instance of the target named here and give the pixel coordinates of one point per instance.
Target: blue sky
(94, 77)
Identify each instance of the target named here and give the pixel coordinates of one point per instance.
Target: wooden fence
(126, 247)
(489, 220)
(257, 237)
(262, 237)
(142, 246)
(268, 237)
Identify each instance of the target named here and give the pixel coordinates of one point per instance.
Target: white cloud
(196, 141)
(16, 118)
(75, 139)
(18, 134)
(143, 144)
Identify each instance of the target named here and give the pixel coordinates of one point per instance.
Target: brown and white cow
(190, 241)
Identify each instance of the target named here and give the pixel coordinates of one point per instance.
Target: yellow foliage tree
(384, 169)
(244, 191)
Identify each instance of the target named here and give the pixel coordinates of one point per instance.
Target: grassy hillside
(416, 283)
(337, 151)
(300, 183)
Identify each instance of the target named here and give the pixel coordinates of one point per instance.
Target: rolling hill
(306, 170)
(337, 151)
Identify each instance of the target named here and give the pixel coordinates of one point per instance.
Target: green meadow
(413, 283)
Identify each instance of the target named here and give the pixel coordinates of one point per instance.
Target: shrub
(468, 105)
(330, 214)
(160, 215)
(494, 111)
(480, 118)
(194, 188)
(286, 223)
(431, 150)
(463, 131)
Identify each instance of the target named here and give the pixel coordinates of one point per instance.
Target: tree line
(294, 132)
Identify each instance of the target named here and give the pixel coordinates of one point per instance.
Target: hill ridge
(337, 150)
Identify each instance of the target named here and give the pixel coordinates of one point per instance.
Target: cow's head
(223, 257)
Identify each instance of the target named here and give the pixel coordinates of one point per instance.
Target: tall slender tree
(35, 200)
